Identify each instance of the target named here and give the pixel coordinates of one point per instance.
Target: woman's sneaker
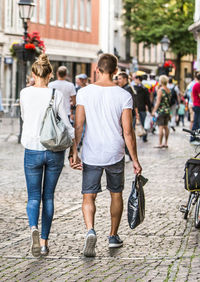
(35, 242)
(115, 241)
(44, 251)
(90, 242)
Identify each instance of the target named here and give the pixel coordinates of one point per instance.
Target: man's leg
(115, 184)
(89, 209)
(116, 209)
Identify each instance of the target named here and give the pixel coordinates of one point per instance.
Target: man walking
(66, 87)
(173, 102)
(124, 83)
(142, 101)
(196, 106)
(107, 111)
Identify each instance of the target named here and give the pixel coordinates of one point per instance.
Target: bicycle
(194, 196)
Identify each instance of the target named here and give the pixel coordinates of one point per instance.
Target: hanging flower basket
(24, 52)
(28, 52)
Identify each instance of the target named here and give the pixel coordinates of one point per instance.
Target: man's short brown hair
(107, 63)
(62, 71)
(123, 74)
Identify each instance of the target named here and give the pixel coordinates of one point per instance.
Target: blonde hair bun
(42, 66)
(43, 60)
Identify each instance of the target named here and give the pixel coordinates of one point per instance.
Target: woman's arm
(158, 100)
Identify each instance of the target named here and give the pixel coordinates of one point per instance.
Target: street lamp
(25, 12)
(165, 45)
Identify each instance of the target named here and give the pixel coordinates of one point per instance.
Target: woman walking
(42, 167)
(162, 107)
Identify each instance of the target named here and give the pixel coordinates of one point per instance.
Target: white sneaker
(35, 242)
(196, 143)
(90, 242)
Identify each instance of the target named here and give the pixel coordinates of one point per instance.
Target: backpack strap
(52, 98)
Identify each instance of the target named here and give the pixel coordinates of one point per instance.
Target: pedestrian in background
(142, 101)
(81, 81)
(107, 111)
(173, 102)
(124, 83)
(67, 88)
(181, 112)
(196, 106)
(42, 167)
(162, 107)
(188, 94)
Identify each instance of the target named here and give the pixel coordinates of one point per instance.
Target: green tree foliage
(149, 20)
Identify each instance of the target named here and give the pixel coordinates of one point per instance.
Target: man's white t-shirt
(67, 88)
(103, 143)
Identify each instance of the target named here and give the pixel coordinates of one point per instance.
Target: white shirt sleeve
(128, 103)
(63, 115)
(73, 90)
(21, 106)
(79, 98)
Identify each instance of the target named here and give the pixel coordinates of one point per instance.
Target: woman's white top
(103, 143)
(34, 102)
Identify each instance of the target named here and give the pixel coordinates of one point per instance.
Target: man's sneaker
(196, 143)
(35, 242)
(90, 242)
(115, 241)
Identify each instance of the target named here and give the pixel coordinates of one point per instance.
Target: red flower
(30, 46)
(169, 64)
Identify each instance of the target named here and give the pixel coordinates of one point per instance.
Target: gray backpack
(54, 134)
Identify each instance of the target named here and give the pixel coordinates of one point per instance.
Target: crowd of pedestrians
(100, 117)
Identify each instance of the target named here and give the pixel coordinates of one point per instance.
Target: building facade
(69, 28)
(195, 28)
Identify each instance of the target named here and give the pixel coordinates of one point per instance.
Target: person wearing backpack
(173, 102)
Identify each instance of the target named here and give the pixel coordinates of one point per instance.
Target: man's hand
(137, 167)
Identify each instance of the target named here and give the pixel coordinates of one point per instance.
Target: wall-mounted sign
(8, 60)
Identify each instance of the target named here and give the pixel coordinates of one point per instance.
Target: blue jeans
(196, 124)
(42, 170)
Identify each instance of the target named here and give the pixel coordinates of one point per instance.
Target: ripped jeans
(42, 170)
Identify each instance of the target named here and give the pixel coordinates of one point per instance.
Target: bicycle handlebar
(189, 131)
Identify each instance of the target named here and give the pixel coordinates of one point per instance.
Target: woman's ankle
(43, 242)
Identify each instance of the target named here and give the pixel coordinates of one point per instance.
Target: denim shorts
(92, 178)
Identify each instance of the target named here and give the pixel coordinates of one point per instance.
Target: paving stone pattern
(164, 247)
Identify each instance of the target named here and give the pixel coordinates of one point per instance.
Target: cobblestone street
(164, 247)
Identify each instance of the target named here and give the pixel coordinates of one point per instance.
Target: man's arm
(79, 122)
(130, 140)
(73, 100)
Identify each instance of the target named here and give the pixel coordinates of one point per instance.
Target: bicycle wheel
(197, 213)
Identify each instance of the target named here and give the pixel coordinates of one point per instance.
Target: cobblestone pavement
(164, 247)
